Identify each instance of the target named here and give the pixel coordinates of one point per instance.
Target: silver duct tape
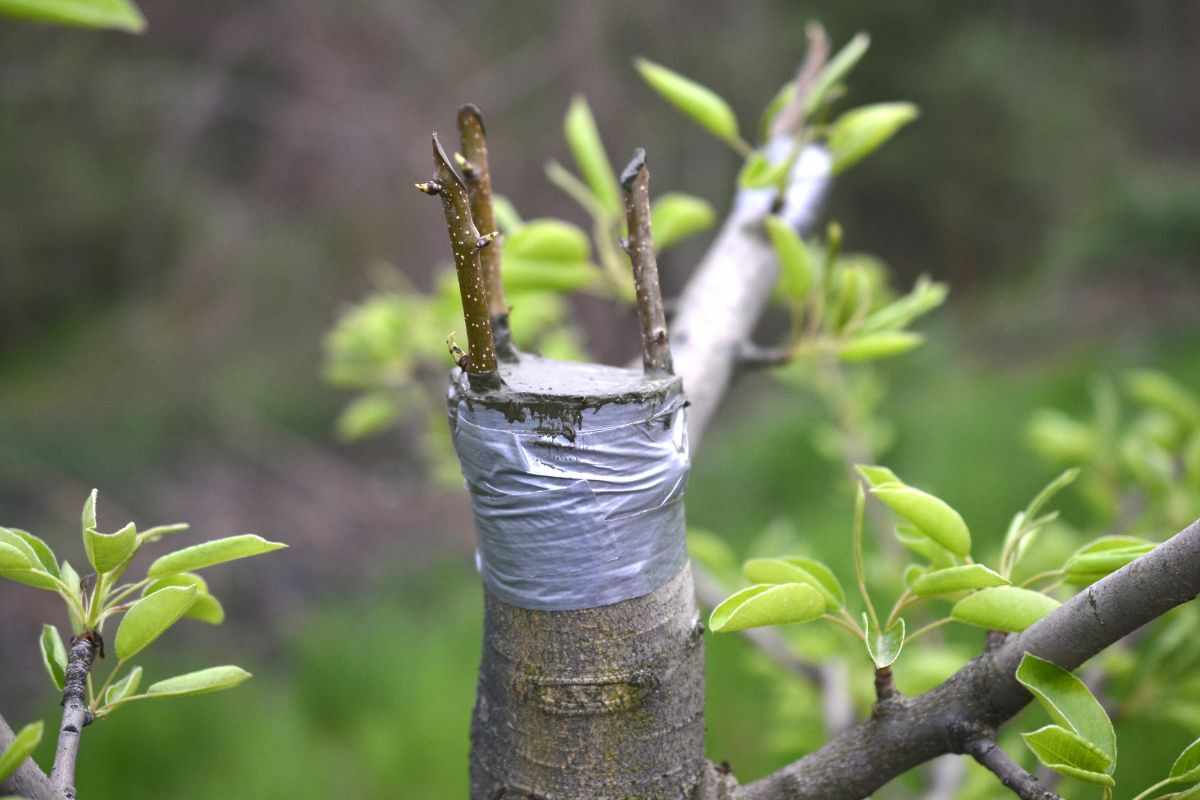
(578, 514)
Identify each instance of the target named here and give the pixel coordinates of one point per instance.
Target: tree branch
(28, 781)
(466, 242)
(477, 173)
(656, 349)
(75, 711)
(1011, 774)
(984, 694)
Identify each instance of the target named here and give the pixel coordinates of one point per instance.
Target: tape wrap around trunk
(576, 513)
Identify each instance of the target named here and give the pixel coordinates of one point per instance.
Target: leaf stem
(853, 628)
(860, 500)
(1053, 573)
(919, 632)
(1160, 785)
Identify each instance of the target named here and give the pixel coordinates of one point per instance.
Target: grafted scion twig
(466, 242)
(477, 173)
(656, 349)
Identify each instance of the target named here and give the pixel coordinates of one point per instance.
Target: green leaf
(1056, 747)
(957, 579)
(1049, 491)
(107, 551)
(777, 103)
(879, 345)
(798, 270)
(89, 511)
(124, 687)
(583, 137)
(921, 545)
(835, 71)
(912, 574)
(547, 255)
(876, 475)
(150, 617)
(118, 14)
(1087, 568)
(1057, 436)
(21, 747)
(54, 655)
(700, 103)
(1187, 794)
(794, 569)
(10, 538)
(213, 679)
(1157, 390)
(758, 172)
(1003, 608)
(924, 297)
(366, 415)
(507, 217)
(44, 554)
(884, 648)
(218, 551)
(156, 533)
(778, 604)
(206, 608)
(931, 515)
(1070, 703)
(860, 131)
(675, 216)
(1187, 766)
(70, 579)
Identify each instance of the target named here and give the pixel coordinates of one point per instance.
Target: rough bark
(1011, 774)
(656, 349)
(28, 781)
(75, 711)
(478, 174)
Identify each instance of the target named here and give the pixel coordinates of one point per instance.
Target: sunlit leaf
(876, 475)
(45, 555)
(124, 687)
(798, 270)
(54, 655)
(1087, 568)
(702, 104)
(931, 515)
(884, 647)
(152, 535)
(213, 679)
(1056, 747)
(795, 569)
(835, 71)
(218, 551)
(1187, 766)
(675, 216)
(759, 172)
(107, 551)
(879, 345)
(1003, 608)
(924, 297)
(860, 131)
(206, 608)
(778, 604)
(957, 579)
(21, 747)
(583, 137)
(150, 617)
(1157, 390)
(118, 14)
(1070, 703)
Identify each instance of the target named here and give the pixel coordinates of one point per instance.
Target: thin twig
(753, 356)
(466, 242)
(1011, 774)
(656, 349)
(791, 117)
(477, 172)
(75, 711)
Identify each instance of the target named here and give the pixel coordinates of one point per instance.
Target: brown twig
(75, 711)
(1011, 774)
(466, 242)
(791, 117)
(478, 176)
(656, 349)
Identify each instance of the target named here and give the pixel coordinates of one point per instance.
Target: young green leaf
(1059, 748)
(921, 545)
(1187, 794)
(931, 515)
(1069, 702)
(1003, 608)
(583, 137)
(156, 533)
(879, 345)
(10, 538)
(924, 297)
(758, 172)
(675, 216)
(206, 608)
(798, 270)
(1187, 766)
(547, 255)
(118, 14)
(367, 415)
(150, 617)
(778, 604)
(218, 551)
(795, 569)
(45, 555)
(956, 579)
(213, 679)
(912, 574)
(876, 475)
(21, 747)
(835, 71)
(884, 647)
(1156, 390)
(70, 579)
(1058, 437)
(860, 131)
(1051, 489)
(124, 687)
(107, 551)
(699, 102)
(1086, 568)
(89, 511)
(54, 655)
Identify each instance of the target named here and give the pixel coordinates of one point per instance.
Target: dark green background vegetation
(183, 215)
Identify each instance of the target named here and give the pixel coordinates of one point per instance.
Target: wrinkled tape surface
(582, 518)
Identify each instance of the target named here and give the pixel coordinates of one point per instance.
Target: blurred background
(185, 214)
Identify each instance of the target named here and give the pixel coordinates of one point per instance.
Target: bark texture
(28, 781)
(75, 712)
(603, 703)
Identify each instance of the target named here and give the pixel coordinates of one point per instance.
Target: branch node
(431, 188)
